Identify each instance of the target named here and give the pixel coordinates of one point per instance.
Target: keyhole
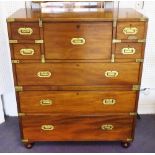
(77, 26)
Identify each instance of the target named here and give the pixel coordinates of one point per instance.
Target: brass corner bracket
(15, 61)
(42, 58)
(135, 87)
(139, 60)
(10, 20)
(129, 139)
(132, 113)
(40, 23)
(18, 88)
(13, 41)
(39, 41)
(113, 58)
(116, 41)
(21, 114)
(24, 140)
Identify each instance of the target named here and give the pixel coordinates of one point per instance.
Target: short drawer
(26, 51)
(25, 31)
(129, 50)
(77, 128)
(78, 40)
(81, 102)
(77, 73)
(131, 30)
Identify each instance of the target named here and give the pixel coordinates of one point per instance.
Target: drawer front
(77, 128)
(131, 30)
(77, 73)
(25, 31)
(77, 101)
(129, 50)
(78, 40)
(26, 51)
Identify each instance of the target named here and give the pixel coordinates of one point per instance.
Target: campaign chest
(77, 75)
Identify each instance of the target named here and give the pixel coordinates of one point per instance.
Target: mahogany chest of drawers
(77, 74)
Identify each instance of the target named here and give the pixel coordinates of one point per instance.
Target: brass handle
(130, 30)
(27, 51)
(111, 74)
(47, 127)
(128, 50)
(107, 127)
(78, 41)
(44, 74)
(25, 31)
(109, 101)
(45, 102)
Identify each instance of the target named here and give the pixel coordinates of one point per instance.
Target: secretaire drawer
(26, 51)
(24, 30)
(131, 30)
(79, 128)
(77, 73)
(78, 40)
(129, 50)
(83, 102)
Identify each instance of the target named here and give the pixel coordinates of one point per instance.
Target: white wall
(147, 98)
(6, 78)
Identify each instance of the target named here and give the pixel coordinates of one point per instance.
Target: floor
(144, 140)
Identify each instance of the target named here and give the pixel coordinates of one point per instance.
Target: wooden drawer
(77, 73)
(131, 30)
(26, 51)
(77, 128)
(90, 102)
(78, 40)
(129, 50)
(25, 31)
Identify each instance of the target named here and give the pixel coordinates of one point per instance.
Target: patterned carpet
(144, 140)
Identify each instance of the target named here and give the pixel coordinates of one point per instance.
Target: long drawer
(82, 102)
(79, 128)
(77, 73)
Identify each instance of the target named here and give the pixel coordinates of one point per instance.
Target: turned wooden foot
(28, 145)
(125, 144)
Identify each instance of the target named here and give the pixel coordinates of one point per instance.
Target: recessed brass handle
(128, 50)
(26, 51)
(46, 102)
(78, 41)
(107, 127)
(47, 127)
(111, 74)
(109, 101)
(130, 30)
(25, 31)
(44, 74)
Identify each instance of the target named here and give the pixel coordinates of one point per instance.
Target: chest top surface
(80, 14)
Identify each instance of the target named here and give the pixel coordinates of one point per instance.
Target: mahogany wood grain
(16, 25)
(139, 35)
(97, 35)
(77, 128)
(18, 55)
(77, 73)
(138, 50)
(85, 102)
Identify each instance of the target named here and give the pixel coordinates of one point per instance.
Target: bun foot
(125, 144)
(29, 145)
